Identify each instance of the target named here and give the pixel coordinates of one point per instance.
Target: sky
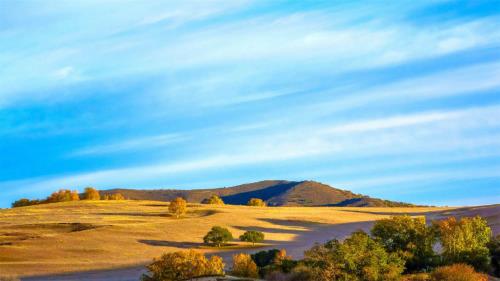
(392, 99)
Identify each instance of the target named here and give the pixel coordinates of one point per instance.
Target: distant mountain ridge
(274, 192)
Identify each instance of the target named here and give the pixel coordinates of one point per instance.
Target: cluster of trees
(213, 200)
(256, 202)
(218, 236)
(398, 248)
(64, 195)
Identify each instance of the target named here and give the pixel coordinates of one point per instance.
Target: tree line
(65, 195)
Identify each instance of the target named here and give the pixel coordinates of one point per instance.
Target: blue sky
(399, 100)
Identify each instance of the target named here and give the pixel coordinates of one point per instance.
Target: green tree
(178, 207)
(183, 265)
(465, 241)
(218, 236)
(91, 193)
(409, 237)
(214, 200)
(256, 202)
(252, 236)
(359, 257)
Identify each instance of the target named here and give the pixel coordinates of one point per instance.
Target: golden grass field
(91, 235)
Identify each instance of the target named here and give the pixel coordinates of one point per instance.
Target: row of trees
(216, 200)
(178, 206)
(397, 248)
(65, 195)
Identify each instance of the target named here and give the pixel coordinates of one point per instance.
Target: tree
(359, 257)
(218, 236)
(63, 195)
(457, 272)
(214, 200)
(91, 193)
(183, 265)
(409, 237)
(252, 236)
(244, 266)
(465, 241)
(178, 207)
(256, 202)
(116, 196)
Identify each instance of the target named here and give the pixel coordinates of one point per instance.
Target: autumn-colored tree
(214, 200)
(457, 272)
(91, 193)
(183, 265)
(409, 237)
(106, 197)
(359, 257)
(25, 202)
(252, 236)
(63, 195)
(178, 207)
(116, 196)
(256, 202)
(244, 266)
(465, 241)
(218, 236)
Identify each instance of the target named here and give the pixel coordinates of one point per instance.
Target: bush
(178, 207)
(244, 266)
(457, 272)
(91, 193)
(410, 237)
(417, 277)
(183, 266)
(218, 236)
(214, 200)
(465, 241)
(359, 257)
(252, 236)
(494, 248)
(265, 258)
(256, 202)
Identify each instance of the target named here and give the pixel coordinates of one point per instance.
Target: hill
(274, 192)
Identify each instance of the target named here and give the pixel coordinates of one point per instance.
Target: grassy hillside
(84, 235)
(274, 192)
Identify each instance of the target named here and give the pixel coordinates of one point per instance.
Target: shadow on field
(176, 244)
(392, 213)
(136, 214)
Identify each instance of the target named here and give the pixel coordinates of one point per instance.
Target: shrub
(214, 200)
(417, 277)
(457, 272)
(178, 207)
(183, 266)
(218, 236)
(494, 247)
(410, 237)
(465, 241)
(252, 236)
(244, 266)
(91, 193)
(265, 258)
(256, 202)
(359, 257)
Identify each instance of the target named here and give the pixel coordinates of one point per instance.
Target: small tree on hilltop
(214, 200)
(183, 265)
(244, 266)
(252, 236)
(256, 202)
(91, 193)
(218, 236)
(178, 207)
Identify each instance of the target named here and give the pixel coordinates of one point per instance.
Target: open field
(125, 235)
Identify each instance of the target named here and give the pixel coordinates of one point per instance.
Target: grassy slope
(85, 235)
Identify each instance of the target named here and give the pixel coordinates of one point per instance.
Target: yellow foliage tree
(457, 272)
(91, 193)
(116, 196)
(178, 207)
(244, 266)
(256, 202)
(214, 200)
(184, 265)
